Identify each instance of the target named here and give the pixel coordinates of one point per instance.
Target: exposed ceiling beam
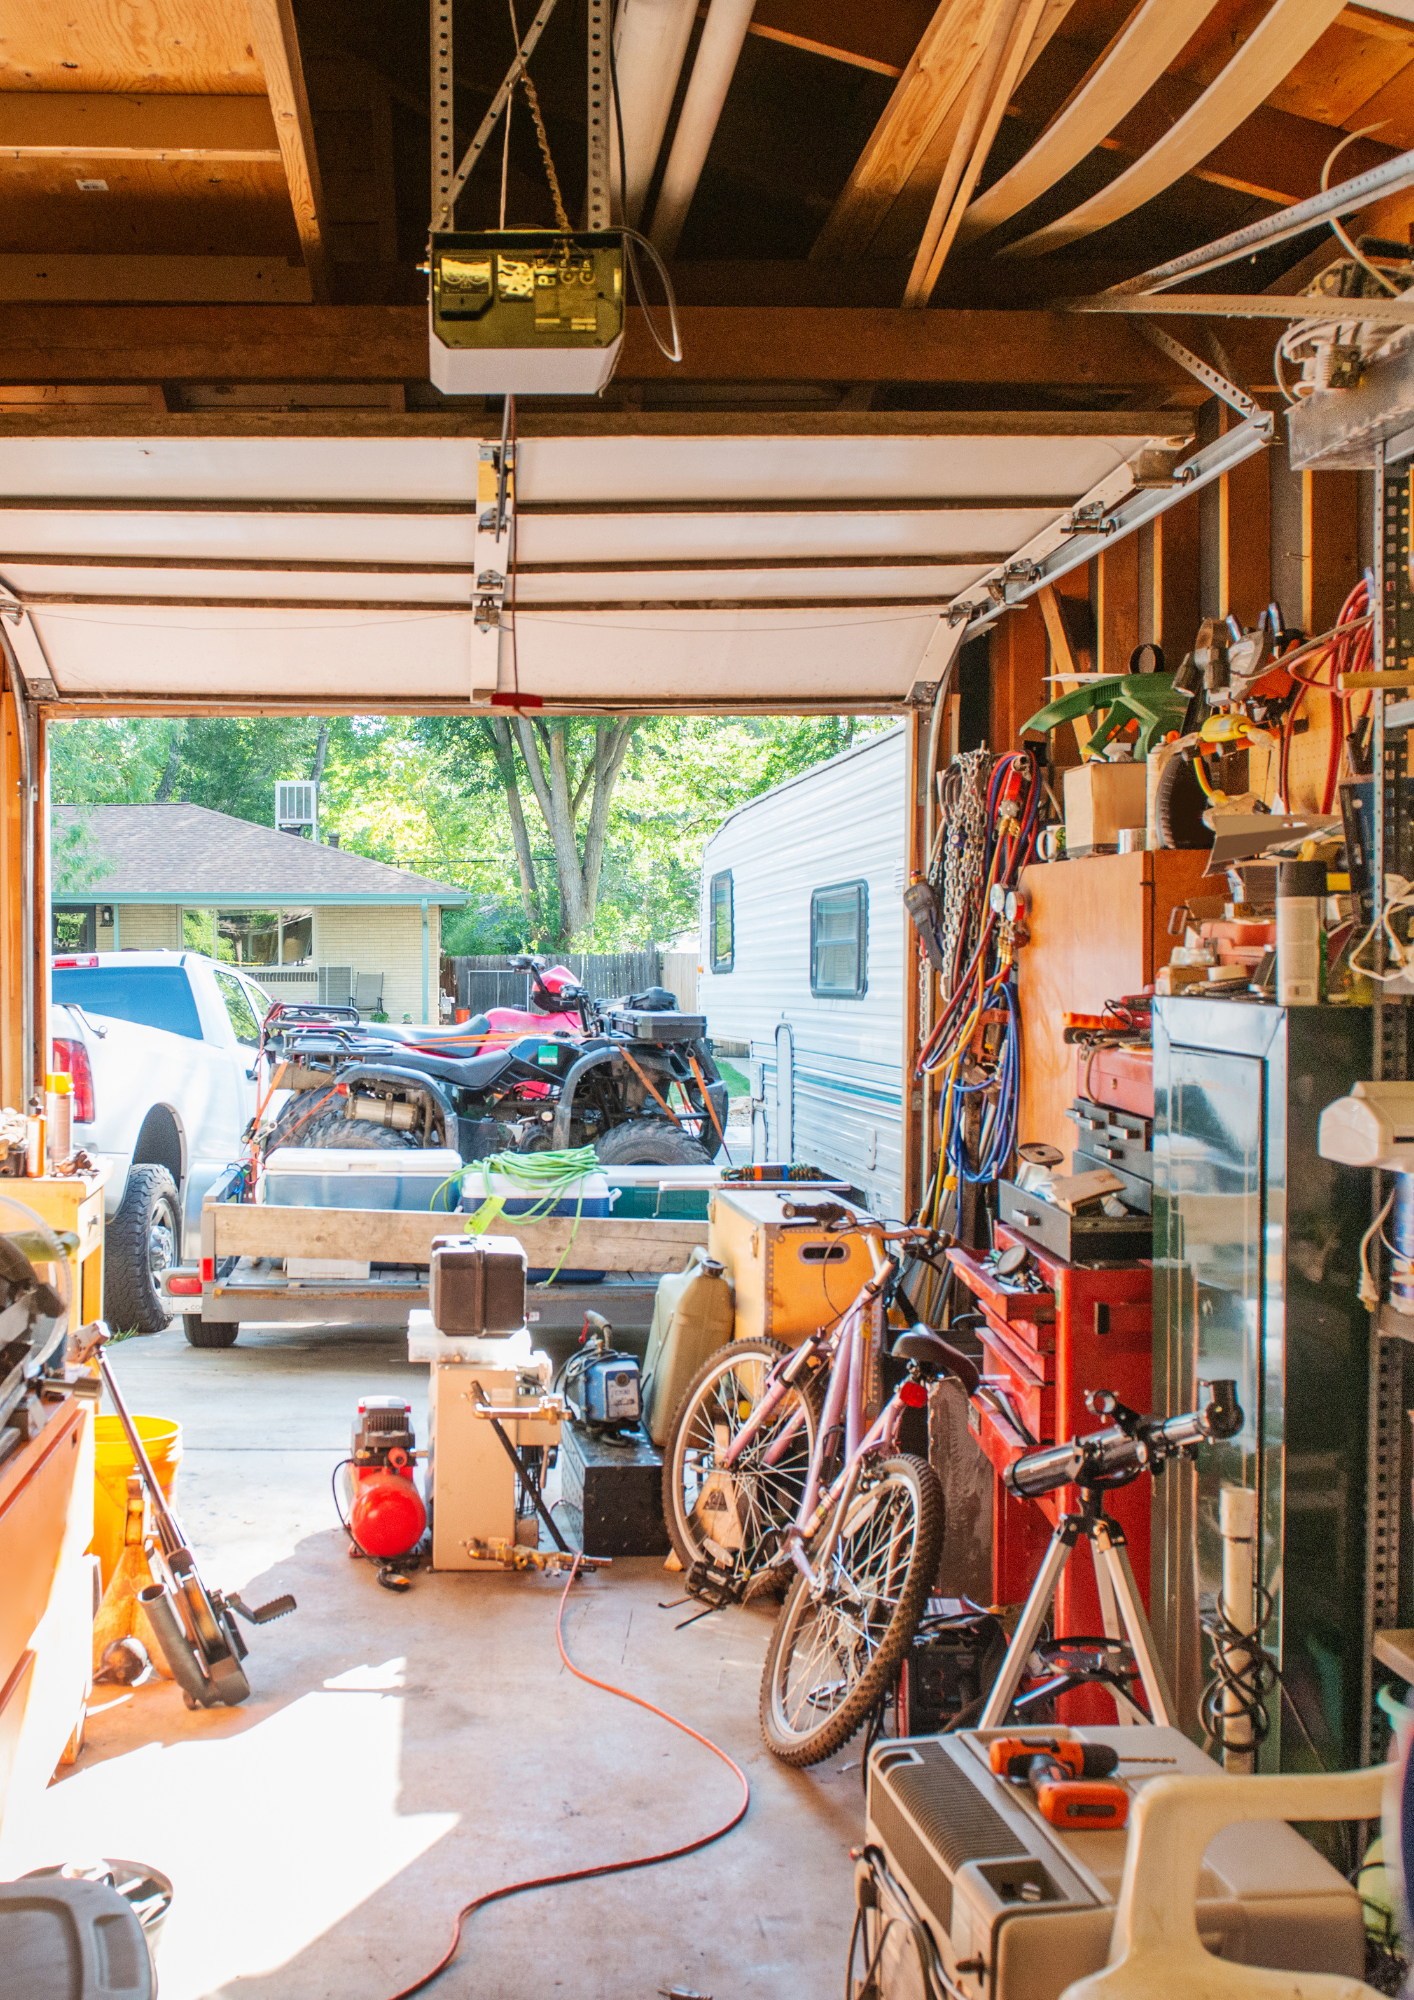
(119, 280)
(366, 344)
(668, 565)
(879, 38)
(1148, 43)
(277, 45)
(64, 125)
(1276, 44)
(927, 93)
(109, 419)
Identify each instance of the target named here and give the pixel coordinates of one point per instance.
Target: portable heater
(387, 1518)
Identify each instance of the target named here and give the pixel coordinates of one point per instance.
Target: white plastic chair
(1155, 1952)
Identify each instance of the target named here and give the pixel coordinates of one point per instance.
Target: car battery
(790, 1272)
(471, 1482)
(477, 1284)
(1018, 1908)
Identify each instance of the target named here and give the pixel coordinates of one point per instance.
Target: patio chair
(368, 994)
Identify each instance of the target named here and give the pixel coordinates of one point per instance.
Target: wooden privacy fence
(483, 982)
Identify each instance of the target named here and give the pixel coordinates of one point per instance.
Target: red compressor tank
(387, 1517)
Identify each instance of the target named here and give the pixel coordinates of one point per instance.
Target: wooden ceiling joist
(1285, 32)
(68, 125)
(321, 343)
(1150, 40)
(277, 45)
(907, 151)
(934, 79)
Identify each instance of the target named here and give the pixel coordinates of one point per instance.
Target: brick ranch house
(310, 921)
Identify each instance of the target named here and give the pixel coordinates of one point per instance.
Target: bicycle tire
(772, 1506)
(910, 1571)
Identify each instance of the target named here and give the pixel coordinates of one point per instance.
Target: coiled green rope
(546, 1178)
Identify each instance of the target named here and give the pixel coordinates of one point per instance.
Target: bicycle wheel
(832, 1656)
(740, 1512)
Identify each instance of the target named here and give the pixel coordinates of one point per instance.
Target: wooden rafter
(1150, 40)
(1286, 31)
(277, 45)
(905, 159)
(67, 125)
(935, 78)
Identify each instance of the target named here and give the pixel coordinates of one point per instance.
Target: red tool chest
(1091, 1328)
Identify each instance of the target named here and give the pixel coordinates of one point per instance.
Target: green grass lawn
(737, 1084)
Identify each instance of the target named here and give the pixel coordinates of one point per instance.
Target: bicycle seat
(931, 1351)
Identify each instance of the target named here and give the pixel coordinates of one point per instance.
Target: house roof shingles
(188, 852)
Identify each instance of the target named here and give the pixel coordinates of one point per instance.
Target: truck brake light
(71, 1059)
(75, 961)
(184, 1287)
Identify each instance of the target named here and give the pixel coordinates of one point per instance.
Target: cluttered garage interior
(718, 1302)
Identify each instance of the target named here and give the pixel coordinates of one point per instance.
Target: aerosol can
(601, 1385)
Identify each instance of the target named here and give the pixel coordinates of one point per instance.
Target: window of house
(75, 927)
(239, 1011)
(839, 941)
(721, 921)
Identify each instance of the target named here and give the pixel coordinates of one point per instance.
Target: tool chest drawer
(1031, 1395)
(1080, 1239)
(1136, 1191)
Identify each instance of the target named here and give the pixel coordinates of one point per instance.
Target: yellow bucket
(162, 1441)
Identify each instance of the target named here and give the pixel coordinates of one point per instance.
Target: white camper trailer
(802, 961)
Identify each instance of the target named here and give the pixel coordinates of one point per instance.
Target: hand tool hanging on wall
(195, 1627)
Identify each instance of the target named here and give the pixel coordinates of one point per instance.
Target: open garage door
(767, 567)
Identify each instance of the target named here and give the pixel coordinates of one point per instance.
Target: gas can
(693, 1316)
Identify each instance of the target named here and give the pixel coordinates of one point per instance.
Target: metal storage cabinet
(1256, 1242)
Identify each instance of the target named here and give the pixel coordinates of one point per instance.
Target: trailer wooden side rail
(245, 1245)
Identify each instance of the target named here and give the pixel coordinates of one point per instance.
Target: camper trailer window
(839, 940)
(723, 930)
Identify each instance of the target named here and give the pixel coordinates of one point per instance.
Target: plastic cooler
(589, 1196)
(350, 1177)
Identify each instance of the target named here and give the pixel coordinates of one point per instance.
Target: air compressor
(387, 1517)
(601, 1384)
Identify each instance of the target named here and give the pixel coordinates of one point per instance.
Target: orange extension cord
(605, 1867)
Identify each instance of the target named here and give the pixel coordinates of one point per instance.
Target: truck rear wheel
(208, 1333)
(144, 1240)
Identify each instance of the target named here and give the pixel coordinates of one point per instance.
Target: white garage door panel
(248, 641)
(766, 584)
(265, 468)
(829, 468)
(661, 537)
(256, 585)
(636, 657)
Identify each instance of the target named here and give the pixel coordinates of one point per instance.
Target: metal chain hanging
(532, 98)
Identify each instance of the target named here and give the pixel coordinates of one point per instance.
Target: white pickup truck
(162, 1051)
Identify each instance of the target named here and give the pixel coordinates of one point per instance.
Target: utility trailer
(246, 1248)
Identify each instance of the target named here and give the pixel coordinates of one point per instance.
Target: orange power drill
(1074, 1783)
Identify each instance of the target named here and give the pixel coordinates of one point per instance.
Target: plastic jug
(694, 1314)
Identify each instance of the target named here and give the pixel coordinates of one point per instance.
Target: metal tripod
(1120, 1608)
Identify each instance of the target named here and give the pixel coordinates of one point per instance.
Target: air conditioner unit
(296, 805)
(336, 985)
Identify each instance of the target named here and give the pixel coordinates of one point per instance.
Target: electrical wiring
(987, 836)
(1346, 648)
(1369, 1292)
(604, 1867)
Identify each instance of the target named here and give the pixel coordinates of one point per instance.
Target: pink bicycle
(773, 1474)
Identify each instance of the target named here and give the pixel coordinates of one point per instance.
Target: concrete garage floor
(399, 1755)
